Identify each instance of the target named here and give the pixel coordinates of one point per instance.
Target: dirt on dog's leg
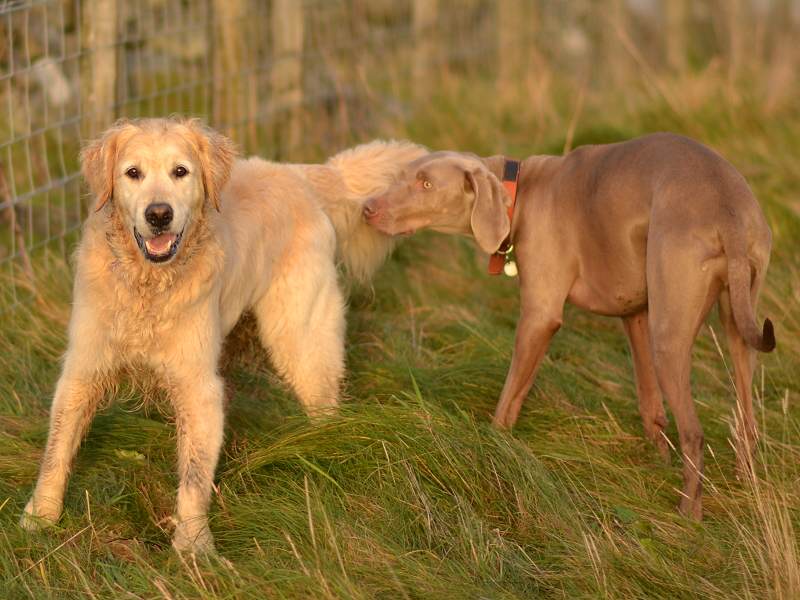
(198, 397)
(74, 405)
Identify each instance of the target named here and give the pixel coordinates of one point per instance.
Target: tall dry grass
(409, 493)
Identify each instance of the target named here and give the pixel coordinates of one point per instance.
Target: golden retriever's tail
(366, 170)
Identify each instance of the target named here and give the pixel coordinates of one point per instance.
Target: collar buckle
(503, 255)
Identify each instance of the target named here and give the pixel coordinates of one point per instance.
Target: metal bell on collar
(510, 268)
(509, 265)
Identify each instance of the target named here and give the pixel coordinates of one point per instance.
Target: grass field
(409, 493)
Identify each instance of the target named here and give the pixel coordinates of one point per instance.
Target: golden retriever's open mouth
(160, 248)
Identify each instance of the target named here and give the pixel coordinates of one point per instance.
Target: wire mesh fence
(269, 73)
(296, 79)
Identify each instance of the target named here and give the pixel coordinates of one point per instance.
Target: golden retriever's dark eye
(180, 171)
(133, 173)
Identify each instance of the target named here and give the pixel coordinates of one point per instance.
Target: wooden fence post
(287, 72)
(735, 17)
(513, 20)
(617, 52)
(425, 16)
(227, 84)
(99, 67)
(676, 17)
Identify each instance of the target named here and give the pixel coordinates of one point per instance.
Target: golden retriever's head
(159, 174)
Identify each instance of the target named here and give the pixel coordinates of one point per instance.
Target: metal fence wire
(294, 79)
(270, 73)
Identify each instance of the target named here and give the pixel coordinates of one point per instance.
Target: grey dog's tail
(739, 277)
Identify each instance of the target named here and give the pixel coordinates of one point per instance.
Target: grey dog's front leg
(198, 402)
(534, 332)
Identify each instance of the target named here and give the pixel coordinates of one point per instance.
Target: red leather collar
(510, 180)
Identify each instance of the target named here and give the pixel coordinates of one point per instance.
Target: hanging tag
(510, 268)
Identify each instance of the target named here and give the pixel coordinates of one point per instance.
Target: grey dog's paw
(36, 519)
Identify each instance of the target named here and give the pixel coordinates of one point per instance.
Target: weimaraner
(652, 230)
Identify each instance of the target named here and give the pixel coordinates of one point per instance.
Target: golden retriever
(184, 238)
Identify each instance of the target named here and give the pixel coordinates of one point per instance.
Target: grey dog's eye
(180, 171)
(133, 173)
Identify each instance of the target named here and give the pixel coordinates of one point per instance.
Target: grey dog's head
(447, 192)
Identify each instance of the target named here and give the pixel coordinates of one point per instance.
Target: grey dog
(652, 230)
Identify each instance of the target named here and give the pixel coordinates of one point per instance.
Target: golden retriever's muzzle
(159, 248)
(164, 244)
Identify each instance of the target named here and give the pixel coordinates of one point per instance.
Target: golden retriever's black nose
(158, 214)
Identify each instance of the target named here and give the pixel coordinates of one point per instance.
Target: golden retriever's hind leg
(198, 399)
(74, 405)
(301, 323)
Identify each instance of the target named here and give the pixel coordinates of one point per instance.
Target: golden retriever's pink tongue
(160, 244)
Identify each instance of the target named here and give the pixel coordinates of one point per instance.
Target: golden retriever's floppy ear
(97, 163)
(489, 219)
(217, 153)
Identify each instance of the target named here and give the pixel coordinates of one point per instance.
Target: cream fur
(270, 249)
(344, 183)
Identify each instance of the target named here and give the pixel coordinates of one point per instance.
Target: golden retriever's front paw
(193, 537)
(39, 515)
(322, 411)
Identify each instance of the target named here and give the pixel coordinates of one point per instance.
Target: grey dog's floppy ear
(489, 219)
